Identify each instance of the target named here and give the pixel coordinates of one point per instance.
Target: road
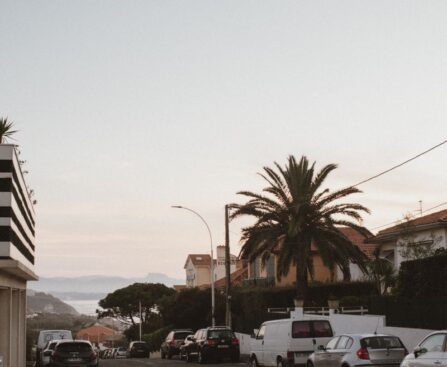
(157, 362)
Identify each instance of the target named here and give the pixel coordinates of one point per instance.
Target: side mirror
(418, 351)
(321, 348)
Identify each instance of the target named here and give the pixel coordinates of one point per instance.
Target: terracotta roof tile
(236, 278)
(437, 217)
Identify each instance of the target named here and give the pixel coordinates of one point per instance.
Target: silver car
(431, 351)
(352, 350)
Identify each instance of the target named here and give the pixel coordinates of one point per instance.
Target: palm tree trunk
(301, 279)
(346, 272)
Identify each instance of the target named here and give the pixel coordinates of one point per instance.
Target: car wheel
(163, 356)
(169, 355)
(310, 364)
(188, 358)
(279, 363)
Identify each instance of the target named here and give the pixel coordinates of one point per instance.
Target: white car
(47, 335)
(288, 342)
(431, 351)
(46, 352)
(352, 350)
(121, 353)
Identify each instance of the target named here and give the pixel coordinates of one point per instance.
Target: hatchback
(77, 353)
(431, 351)
(359, 350)
(138, 349)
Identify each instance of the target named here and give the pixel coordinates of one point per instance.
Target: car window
(322, 329)
(332, 343)
(381, 342)
(434, 343)
(301, 329)
(343, 342)
(74, 347)
(180, 335)
(261, 332)
(212, 334)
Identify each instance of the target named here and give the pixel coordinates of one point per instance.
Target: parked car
(138, 349)
(288, 341)
(171, 345)
(213, 343)
(431, 351)
(47, 335)
(359, 349)
(120, 352)
(77, 353)
(183, 348)
(46, 352)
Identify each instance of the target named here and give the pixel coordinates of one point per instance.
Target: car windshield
(181, 335)
(214, 334)
(381, 342)
(74, 347)
(140, 345)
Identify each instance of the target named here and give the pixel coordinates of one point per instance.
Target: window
(261, 332)
(181, 335)
(301, 329)
(332, 343)
(434, 343)
(343, 342)
(381, 342)
(322, 329)
(220, 334)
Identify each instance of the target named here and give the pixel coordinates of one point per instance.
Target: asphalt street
(157, 362)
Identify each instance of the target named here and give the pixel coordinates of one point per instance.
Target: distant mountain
(97, 285)
(39, 302)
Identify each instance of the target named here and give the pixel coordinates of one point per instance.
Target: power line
(400, 164)
(424, 211)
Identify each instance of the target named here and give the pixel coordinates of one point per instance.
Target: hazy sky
(127, 107)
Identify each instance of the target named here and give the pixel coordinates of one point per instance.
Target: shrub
(423, 277)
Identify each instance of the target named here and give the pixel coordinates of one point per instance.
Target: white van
(45, 336)
(288, 342)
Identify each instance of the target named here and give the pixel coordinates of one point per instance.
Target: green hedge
(156, 338)
(423, 278)
(423, 313)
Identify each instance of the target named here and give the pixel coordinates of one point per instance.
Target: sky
(128, 107)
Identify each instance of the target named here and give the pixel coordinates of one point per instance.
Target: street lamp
(212, 258)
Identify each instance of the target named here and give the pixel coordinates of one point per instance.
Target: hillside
(39, 302)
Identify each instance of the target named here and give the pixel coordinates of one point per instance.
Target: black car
(213, 343)
(138, 349)
(74, 353)
(171, 345)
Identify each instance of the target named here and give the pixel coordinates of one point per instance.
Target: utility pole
(141, 319)
(227, 270)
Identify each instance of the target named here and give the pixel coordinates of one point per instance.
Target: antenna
(420, 208)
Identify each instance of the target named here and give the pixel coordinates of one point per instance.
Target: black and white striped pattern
(17, 217)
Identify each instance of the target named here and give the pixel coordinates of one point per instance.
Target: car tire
(169, 355)
(188, 358)
(254, 361)
(163, 356)
(279, 362)
(309, 364)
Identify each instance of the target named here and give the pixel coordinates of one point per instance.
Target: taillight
(211, 342)
(235, 341)
(363, 353)
(92, 356)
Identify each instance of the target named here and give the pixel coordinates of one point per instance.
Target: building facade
(198, 268)
(17, 248)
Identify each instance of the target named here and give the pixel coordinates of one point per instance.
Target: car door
(432, 352)
(322, 356)
(336, 355)
(258, 346)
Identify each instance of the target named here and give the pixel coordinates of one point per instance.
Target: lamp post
(213, 321)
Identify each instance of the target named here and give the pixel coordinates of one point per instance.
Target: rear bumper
(213, 352)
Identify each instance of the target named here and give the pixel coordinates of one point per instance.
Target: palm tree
(293, 214)
(381, 271)
(6, 130)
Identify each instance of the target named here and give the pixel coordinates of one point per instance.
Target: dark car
(138, 349)
(213, 343)
(171, 345)
(77, 353)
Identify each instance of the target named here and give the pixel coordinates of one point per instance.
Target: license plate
(74, 359)
(222, 346)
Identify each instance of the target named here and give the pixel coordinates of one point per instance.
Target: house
(266, 275)
(421, 235)
(96, 334)
(198, 268)
(17, 255)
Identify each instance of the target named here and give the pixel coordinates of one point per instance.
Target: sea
(87, 307)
